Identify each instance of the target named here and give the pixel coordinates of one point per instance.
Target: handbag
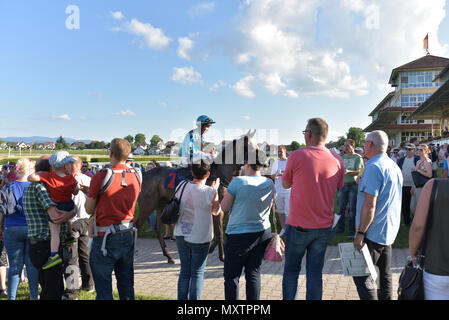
(411, 286)
(170, 214)
(418, 179)
(276, 248)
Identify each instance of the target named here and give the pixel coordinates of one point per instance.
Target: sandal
(167, 237)
(3, 293)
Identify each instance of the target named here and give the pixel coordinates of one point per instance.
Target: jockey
(192, 145)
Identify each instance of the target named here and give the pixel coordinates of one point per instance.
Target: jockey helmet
(204, 120)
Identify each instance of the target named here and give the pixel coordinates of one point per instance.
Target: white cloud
(124, 113)
(117, 15)
(201, 9)
(98, 95)
(184, 46)
(340, 48)
(62, 117)
(185, 75)
(242, 87)
(153, 38)
(291, 93)
(246, 118)
(217, 85)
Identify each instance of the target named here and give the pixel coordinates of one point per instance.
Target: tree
(130, 138)
(61, 143)
(139, 138)
(357, 135)
(155, 139)
(295, 145)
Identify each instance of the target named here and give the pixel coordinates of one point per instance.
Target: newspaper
(355, 263)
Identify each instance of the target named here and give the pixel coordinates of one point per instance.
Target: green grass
(23, 294)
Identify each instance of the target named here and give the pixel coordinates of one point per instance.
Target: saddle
(177, 175)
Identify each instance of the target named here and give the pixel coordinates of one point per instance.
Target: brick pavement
(154, 276)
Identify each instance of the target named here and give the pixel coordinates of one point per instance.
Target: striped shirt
(36, 200)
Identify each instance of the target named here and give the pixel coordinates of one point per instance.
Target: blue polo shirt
(250, 211)
(382, 178)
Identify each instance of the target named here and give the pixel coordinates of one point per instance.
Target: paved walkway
(154, 276)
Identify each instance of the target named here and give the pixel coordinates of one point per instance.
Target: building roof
(435, 107)
(426, 62)
(384, 100)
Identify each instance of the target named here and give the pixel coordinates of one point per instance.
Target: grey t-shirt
(407, 168)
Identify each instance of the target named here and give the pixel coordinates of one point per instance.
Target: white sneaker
(282, 233)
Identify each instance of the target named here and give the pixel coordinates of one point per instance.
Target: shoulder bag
(418, 179)
(411, 286)
(170, 214)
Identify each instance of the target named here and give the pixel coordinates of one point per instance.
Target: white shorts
(435, 287)
(282, 201)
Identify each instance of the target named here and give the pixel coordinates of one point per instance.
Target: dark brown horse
(227, 164)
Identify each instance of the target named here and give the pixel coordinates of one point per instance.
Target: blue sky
(152, 67)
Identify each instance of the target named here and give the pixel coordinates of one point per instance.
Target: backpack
(110, 175)
(8, 201)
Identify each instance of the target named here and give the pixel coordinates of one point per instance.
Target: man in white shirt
(282, 198)
(78, 251)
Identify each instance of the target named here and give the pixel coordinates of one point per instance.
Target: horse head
(240, 151)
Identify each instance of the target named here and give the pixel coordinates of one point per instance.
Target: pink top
(315, 174)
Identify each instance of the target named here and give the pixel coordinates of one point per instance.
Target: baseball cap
(60, 158)
(410, 146)
(359, 149)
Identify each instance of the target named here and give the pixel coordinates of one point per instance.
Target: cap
(359, 149)
(60, 158)
(410, 146)
(130, 157)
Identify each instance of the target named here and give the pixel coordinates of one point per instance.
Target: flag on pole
(426, 43)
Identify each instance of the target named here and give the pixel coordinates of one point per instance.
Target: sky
(102, 69)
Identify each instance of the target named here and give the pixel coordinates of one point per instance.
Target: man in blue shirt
(378, 214)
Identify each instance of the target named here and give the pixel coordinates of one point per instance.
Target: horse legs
(161, 239)
(218, 236)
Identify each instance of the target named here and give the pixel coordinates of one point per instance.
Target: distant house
(139, 151)
(13, 145)
(49, 145)
(77, 145)
(23, 145)
(3, 145)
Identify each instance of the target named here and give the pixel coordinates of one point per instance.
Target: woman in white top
(194, 230)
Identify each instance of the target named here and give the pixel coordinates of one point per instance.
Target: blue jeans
(119, 258)
(193, 258)
(347, 194)
(244, 252)
(313, 243)
(151, 221)
(16, 244)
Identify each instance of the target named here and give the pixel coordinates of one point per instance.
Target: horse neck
(224, 171)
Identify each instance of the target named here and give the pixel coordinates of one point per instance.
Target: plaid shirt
(36, 200)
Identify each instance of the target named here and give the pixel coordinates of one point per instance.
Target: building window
(413, 100)
(420, 79)
(407, 135)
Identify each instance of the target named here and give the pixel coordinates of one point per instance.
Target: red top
(315, 174)
(117, 204)
(60, 188)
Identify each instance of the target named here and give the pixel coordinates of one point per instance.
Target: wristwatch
(360, 232)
